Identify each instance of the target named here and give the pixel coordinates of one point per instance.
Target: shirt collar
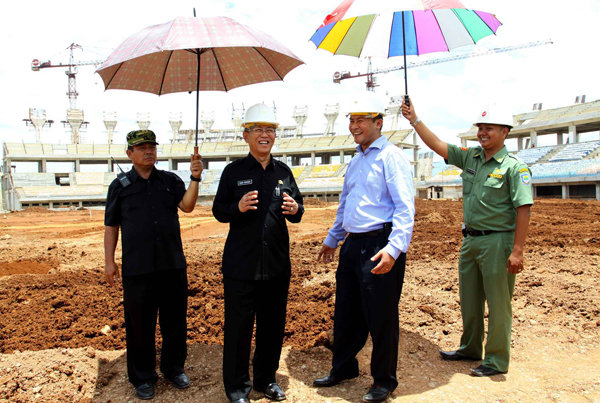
(499, 156)
(134, 176)
(376, 144)
(253, 162)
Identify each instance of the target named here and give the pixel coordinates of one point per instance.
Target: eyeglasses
(259, 130)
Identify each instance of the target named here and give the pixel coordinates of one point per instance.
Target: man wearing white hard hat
(374, 220)
(497, 201)
(256, 195)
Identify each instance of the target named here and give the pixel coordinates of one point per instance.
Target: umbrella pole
(197, 98)
(406, 101)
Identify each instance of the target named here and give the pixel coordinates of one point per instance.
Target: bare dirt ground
(62, 334)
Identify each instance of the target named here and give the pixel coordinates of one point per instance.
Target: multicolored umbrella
(388, 28)
(196, 54)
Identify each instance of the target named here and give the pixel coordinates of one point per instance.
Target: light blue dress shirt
(378, 188)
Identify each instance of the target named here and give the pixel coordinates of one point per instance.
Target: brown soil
(62, 334)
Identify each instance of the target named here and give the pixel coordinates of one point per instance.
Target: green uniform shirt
(492, 190)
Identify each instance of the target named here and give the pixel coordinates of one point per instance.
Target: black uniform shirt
(146, 210)
(258, 244)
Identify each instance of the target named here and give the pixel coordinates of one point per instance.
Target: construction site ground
(62, 336)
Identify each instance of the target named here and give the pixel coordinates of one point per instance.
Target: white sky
(446, 96)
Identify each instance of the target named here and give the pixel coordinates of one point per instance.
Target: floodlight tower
(110, 122)
(175, 121)
(331, 113)
(37, 117)
(143, 120)
(237, 117)
(208, 120)
(300, 115)
(394, 110)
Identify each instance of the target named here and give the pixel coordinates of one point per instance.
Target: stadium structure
(567, 169)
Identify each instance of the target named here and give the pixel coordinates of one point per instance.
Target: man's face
(143, 155)
(365, 130)
(490, 136)
(260, 138)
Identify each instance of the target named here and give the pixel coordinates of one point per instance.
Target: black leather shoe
(331, 379)
(242, 400)
(482, 370)
(273, 392)
(454, 356)
(145, 391)
(377, 394)
(180, 381)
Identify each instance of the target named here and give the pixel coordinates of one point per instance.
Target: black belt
(387, 228)
(474, 232)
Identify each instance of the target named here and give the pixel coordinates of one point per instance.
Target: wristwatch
(416, 122)
(193, 178)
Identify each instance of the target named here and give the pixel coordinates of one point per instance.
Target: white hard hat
(367, 104)
(495, 115)
(260, 114)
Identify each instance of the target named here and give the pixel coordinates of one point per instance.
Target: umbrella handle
(195, 150)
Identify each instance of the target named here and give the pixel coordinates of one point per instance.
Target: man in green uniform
(496, 208)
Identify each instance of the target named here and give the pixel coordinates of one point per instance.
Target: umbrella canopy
(387, 28)
(196, 54)
(429, 26)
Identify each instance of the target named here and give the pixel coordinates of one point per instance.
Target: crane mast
(371, 82)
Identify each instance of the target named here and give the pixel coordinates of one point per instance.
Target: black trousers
(162, 293)
(367, 303)
(244, 300)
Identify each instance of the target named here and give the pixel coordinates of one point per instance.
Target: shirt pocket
(131, 199)
(493, 190)
(467, 183)
(167, 198)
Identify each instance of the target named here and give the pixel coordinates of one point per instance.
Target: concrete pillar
(573, 135)
(533, 135)
(598, 191)
(42, 166)
(51, 205)
(227, 159)
(325, 159)
(519, 143)
(172, 164)
(284, 159)
(341, 156)
(559, 138)
(565, 191)
(534, 191)
(110, 165)
(77, 165)
(296, 160)
(463, 142)
(313, 157)
(80, 203)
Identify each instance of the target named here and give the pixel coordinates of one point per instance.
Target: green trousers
(483, 276)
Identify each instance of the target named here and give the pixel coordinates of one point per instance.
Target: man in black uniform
(143, 203)
(256, 194)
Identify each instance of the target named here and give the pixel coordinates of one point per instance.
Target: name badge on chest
(244, 182)
(471, 171)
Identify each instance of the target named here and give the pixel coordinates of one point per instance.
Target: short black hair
(130, 148)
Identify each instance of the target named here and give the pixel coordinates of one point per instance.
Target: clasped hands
(250, 199)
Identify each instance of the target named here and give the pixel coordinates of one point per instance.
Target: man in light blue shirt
(375, 220)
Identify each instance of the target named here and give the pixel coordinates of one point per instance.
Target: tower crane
(371, 82)
(71, 72)
(74, 115)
